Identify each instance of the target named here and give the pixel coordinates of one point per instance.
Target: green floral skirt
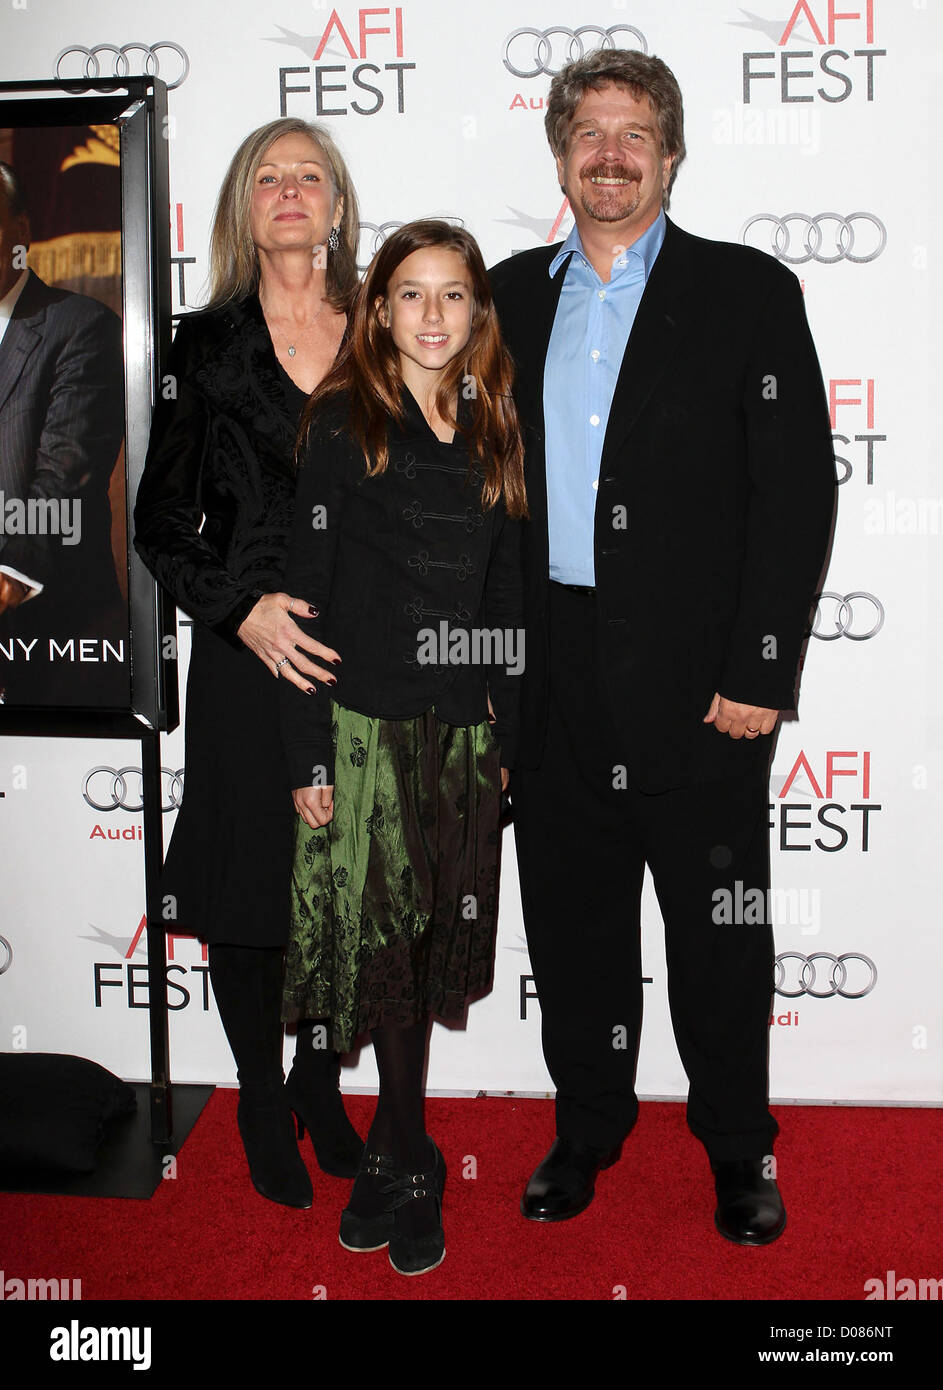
(393, 902)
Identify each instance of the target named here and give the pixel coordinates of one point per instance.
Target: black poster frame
(137, 106)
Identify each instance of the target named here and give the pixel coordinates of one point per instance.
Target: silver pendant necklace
(291, 346)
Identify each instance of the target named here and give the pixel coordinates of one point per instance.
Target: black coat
(387, 558)
(718, 447)
(222, 441)
(220, 454)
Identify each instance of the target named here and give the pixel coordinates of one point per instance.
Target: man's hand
(740, 721)
(271, 632)
(12, 592)
(315, 805)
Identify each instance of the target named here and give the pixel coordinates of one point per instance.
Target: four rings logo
(536, 47)
(828, 237)
(108, 788)
(867, 623)
(372, 237)
(6, 955)
(119, 63)
(835, 978)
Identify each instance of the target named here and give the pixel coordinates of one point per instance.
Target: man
(61, 426)
(681, 485)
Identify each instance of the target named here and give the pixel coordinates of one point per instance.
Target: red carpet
(861, 1188)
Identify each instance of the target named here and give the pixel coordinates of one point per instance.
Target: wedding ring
(280, 664)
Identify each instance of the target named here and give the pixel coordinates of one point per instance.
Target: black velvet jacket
(385, 558)
(221, 446)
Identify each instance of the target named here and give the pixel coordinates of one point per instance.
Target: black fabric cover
(53, 1110)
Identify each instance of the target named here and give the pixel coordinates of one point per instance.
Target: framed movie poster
(86, 639)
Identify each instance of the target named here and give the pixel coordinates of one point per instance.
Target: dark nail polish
(313, 611)
(332, 680)
(335, 662)
(310, 690)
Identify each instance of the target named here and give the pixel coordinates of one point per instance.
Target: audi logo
(370, 244)
(840, 237)
(122, 64)
(107, 789)
(540, 51)
(6, 955)
(837, 975)
(870, 616)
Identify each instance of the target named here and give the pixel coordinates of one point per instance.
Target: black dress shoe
(750, 1210)
(564, 1183)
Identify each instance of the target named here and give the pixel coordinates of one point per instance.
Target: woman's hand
(271, 632)
(315, 805)
(505, 777)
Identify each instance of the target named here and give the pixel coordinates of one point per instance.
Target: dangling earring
(334, 240)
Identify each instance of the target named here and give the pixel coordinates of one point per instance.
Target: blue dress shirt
(584, 358)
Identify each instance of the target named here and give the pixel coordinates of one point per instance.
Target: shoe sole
(363, 1249)
(747, 1240)
(409, 1273)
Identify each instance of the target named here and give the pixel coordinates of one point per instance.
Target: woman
(404, 526)
(283, 267)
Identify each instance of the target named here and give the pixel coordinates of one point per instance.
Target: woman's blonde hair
(234, 260)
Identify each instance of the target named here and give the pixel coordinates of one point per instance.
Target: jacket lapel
(663, 317)
(538, 308)
(23, 335)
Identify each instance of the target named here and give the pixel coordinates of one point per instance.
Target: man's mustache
(611, 171)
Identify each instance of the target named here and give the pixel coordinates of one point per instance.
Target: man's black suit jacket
(714, 503)
(61, 426)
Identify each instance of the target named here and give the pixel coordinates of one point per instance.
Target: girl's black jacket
(387, 560)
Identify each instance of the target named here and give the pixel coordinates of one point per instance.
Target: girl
(405, 544)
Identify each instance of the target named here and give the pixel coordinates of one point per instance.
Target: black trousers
(584, 834)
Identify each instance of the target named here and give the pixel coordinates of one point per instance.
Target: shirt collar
(8, 302)
(645, 249)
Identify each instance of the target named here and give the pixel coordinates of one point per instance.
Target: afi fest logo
(856, 396)
(357, 64)
(131, 976)
(822, 54)
(830, 804)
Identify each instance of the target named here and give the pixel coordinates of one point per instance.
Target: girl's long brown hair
(368, 368)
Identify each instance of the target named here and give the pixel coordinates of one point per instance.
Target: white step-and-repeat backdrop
(812, 135)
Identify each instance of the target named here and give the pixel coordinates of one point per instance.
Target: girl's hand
(271, 632)
(315, 805)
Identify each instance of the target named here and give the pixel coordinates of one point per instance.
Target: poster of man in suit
(63, 588)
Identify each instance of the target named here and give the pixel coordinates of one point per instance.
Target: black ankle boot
(247, 984)
(313, 1093)
(268, 1137)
